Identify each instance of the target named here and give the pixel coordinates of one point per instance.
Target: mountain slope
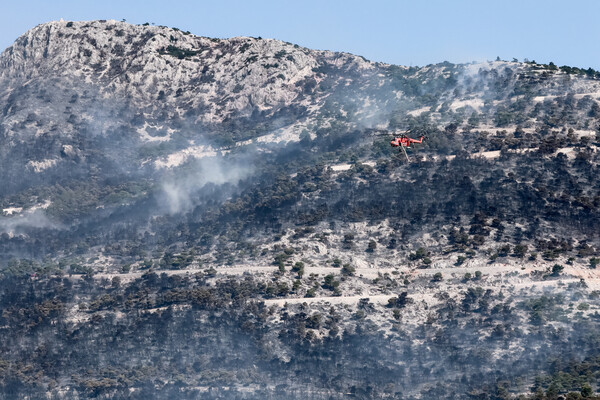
(221, 218)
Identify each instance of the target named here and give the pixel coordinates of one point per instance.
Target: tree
(520, 250)
(116, 282)
(473, 120)
(400, 301)
(451, 128)
(329, 282)
(348, 240)
(504, 250)
(372, 246)
(594, 111)
(557, 269)
(299, 268)
(347, 269)
(420, 254)
(586, 390)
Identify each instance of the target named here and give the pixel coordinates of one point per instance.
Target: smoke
(180, 188)
(31, 219)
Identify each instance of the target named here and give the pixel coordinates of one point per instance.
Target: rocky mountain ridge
(158, 68)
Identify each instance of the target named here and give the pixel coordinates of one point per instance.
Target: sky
(412, 33)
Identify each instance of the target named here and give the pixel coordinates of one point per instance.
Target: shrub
(347, 269)
(372, 246)
(299, 268)
(583, 306)
(179, 52)
(329, 282)
(419, 254)
(400, 301)
(586, 390)
(557, 269)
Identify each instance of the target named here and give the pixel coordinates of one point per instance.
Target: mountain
(225, 218)
(146, 86)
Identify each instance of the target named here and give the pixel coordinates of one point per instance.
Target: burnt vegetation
(189, 336)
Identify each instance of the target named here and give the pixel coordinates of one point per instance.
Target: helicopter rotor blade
(378, 132)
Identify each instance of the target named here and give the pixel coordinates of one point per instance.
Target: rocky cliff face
(147, 64)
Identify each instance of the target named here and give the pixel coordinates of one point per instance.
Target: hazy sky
(416, 32)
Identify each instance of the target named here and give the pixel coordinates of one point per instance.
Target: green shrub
(347, 269)
(557, 269)
(179, 52)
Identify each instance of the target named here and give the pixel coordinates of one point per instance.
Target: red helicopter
(401, 141)
(404, 141)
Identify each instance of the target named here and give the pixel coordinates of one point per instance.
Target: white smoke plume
(179, 191)
(29, 219)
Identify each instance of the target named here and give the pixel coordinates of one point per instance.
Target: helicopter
(402, 141)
